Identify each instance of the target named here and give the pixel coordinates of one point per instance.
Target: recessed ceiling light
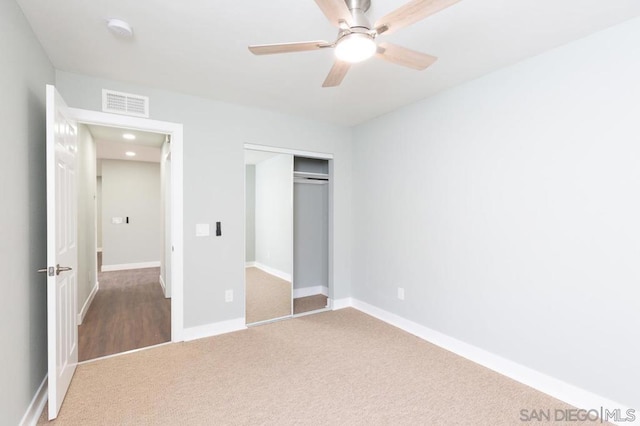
(129, 136)
(120, 28)
(130, 154)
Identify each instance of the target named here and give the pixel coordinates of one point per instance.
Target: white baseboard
(336, 304)
(556, 388)
(127, 266)
(87, 303)
(273, 271)
(250, 264)
(213, 329)
(310, 291)
(164, 287)
(36, 406)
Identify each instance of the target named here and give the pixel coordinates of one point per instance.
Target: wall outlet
(228, 296)
(400, 293)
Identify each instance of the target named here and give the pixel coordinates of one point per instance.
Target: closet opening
(310, 234)
(287, 233)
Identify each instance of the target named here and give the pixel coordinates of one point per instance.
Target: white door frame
(177, 259)
(294, 152)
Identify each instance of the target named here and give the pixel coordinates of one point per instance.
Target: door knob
(62, 269)
(57, 271)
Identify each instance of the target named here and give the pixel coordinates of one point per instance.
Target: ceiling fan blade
(406, 57)
(336, 11)
(410, 13)
(337, 73)
(301, 46)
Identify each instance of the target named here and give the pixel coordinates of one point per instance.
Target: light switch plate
(116, 220)
(202, 230)
(400, 293)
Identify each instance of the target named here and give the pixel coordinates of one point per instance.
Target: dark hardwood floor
(128, 312)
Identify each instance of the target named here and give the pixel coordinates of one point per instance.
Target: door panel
(268, 285)
(61, 249)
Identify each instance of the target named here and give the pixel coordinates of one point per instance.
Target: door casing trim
(177, 212)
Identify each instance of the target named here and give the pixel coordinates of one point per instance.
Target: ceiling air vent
(125, 103)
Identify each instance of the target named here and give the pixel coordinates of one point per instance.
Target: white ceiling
(111, 145)
(200, 47)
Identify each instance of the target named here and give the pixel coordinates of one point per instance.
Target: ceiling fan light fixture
(355, 47)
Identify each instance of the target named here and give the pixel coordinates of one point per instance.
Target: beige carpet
(309, 303)
(267, 297)
(335, 368)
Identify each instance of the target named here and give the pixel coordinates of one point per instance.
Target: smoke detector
(120, 28)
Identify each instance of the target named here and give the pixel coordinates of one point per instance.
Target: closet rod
(310, 175)
(311, 181)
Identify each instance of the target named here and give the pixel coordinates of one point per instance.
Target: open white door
(62, 250)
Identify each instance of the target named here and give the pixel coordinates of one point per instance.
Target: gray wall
(508, 210)
(86, 175)
(274, 213)
(250, 219)
(24, 72)
(310, 235)
(214, 138)
(131, 188)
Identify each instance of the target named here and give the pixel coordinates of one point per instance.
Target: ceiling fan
(356, 39)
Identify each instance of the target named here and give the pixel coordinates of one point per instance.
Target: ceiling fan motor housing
(358, 9)
(358, 4)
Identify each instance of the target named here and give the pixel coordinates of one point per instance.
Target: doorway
(311, 234)
(121, 191)
(171, 164)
